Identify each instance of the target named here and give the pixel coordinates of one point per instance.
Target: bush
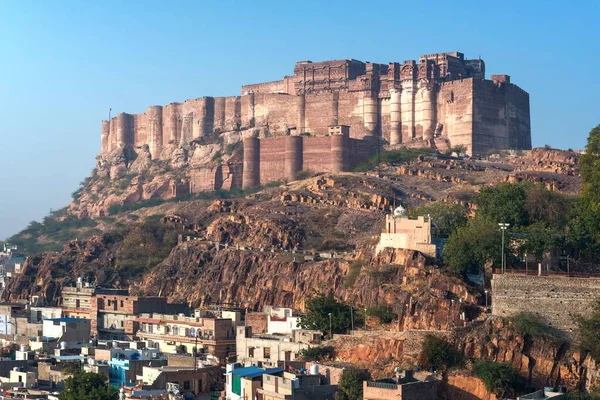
(351, 384)
(439, 354)
(534, 326)
(317, 315)
(391, 157)
(446, 216)
(317, 353)
(384, 313)
(353, 273)
(498, 378)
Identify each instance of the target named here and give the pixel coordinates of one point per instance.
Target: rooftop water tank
(314, 369)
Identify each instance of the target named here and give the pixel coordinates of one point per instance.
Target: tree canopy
(351, 384)
(317, 315)
(471, 247)
(589, 164)
(499, 378)
(438, 354)
(446, 216)
(88, 386)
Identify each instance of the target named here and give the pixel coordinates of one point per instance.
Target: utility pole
(195, 350)
(503, 226)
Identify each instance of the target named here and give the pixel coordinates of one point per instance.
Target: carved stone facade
(439, 101)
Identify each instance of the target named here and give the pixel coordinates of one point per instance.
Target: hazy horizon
(65, 64)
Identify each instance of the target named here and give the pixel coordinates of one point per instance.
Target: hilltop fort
(326, 117)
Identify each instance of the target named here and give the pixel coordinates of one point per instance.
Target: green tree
(88, 386)
(317, 353)
(438, 354)
(589, 332)
(471, 247)
(317, 315)
(351, 384)
(540, 239)
(543, 205)
(589, 164)
(583, 230)
(499, 378)
(503, 203)
(446, 216)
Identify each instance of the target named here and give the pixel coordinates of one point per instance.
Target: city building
(242, 383)
(296, 386)
(408, 386)
(180, 333)
(270, 350)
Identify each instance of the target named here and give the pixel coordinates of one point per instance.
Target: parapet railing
(382, 385)
(534, 272)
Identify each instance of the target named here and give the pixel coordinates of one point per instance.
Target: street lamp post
(330, 327)
(486, 299)
(503, 226)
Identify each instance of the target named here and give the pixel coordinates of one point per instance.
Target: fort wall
(442, 98)
(557, 299)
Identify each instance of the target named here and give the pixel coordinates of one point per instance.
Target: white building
(400, 232)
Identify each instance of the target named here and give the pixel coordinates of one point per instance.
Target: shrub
(498, 378)
(384, 313)
(317, 315)
(353, 272)
(351, 384)
(534, 326)
(391, 157)
(317, 353)
(439, 354)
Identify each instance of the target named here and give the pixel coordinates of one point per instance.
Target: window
(77, 303)
(193, 332)
(186, 385)
(122, 303)
(122, 324)
(267, 353)
(167, 329)
(251, 352)
(175, 330)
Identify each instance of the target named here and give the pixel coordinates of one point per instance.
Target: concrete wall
(559, 300)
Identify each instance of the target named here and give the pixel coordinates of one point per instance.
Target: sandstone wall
(455, 111)
(500, 116)
(559, 300)
(442, 100)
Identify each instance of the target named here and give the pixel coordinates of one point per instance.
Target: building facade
(180, 333)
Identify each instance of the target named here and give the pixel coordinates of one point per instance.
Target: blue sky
(65, 63)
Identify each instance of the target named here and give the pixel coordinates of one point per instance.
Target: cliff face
(45, 274)
(418, 292)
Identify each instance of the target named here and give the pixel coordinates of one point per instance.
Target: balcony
(206, 339)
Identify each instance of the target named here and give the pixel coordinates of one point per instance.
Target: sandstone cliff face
(45, 274)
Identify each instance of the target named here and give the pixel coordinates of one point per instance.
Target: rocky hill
(329, 214)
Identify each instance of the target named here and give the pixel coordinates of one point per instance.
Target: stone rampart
(557, 299)
(443, 100)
